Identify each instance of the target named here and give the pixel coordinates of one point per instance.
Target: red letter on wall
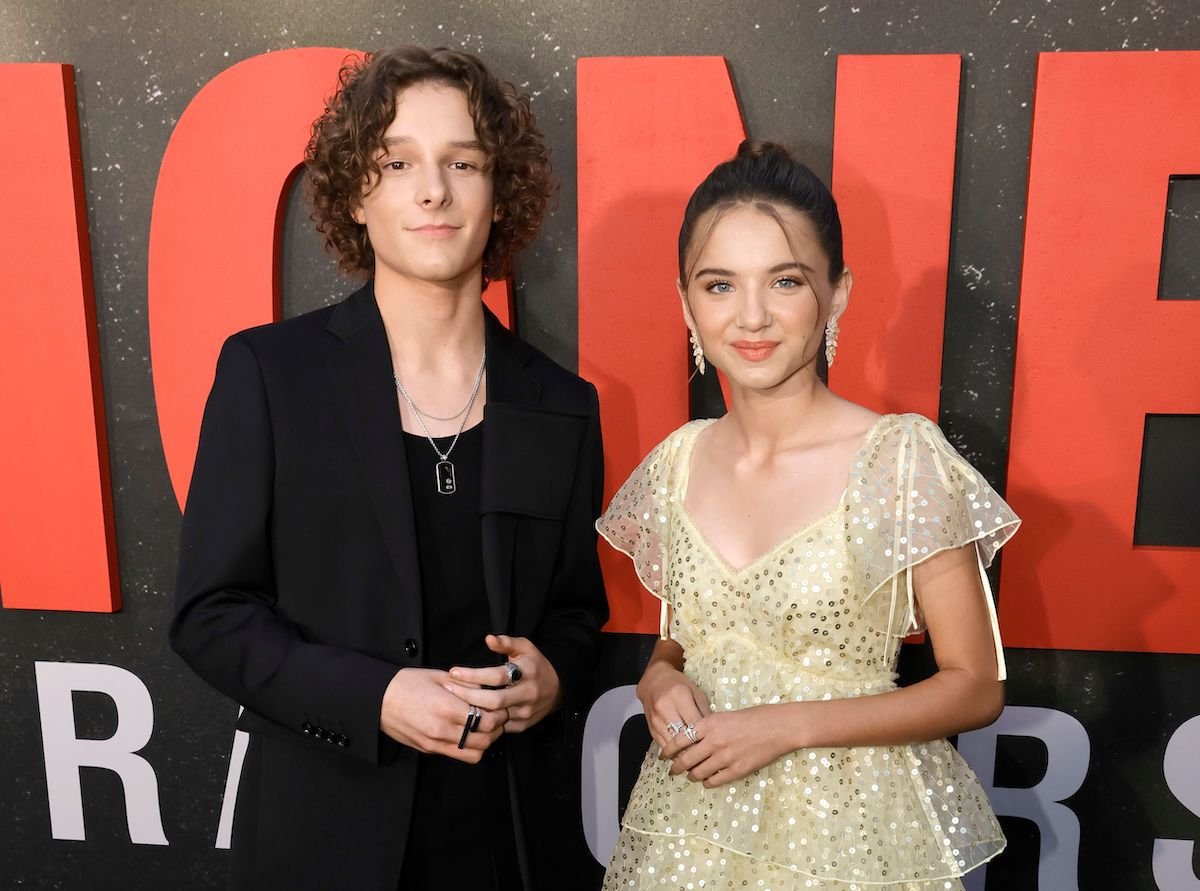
(640, 156)
(214, 233)
(894, 134)
(1097, 352)
(57, 541)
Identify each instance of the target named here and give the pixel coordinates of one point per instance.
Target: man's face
(429, 213)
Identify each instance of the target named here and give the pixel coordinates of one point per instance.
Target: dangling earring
(697, 351)
(831, 336)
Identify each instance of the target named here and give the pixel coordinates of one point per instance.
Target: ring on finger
(690, 732)
(674, 728)
(471, 725)
(514, 673)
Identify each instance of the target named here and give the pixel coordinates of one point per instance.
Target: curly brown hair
(341, 160)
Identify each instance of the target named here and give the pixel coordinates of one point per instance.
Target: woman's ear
(687, 310)
(841, 294)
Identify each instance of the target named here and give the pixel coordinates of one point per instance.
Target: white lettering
(1173, 857)
(1068, 750)
(241, 739)
(601, 757)
(65, 753)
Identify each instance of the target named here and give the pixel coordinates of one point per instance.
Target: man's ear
(357, 213)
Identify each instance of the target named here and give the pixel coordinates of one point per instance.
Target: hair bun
(755, 149)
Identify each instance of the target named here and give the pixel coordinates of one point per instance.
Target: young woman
(387, 555)
(794, 543)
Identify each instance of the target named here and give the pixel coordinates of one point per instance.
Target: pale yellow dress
(819, 616)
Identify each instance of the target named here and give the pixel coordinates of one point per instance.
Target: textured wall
(137, 66)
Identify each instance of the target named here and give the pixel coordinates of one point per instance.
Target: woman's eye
(719, 288)
(789, 282)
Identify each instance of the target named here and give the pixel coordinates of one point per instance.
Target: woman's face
(759, 299)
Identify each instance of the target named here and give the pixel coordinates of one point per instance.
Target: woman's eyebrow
(791, 264)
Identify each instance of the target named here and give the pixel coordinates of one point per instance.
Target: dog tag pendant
(445, 478)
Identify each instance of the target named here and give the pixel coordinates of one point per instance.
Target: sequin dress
(819, 616)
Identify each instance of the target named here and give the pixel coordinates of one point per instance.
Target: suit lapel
(529, 454)
(361, 366)
(508, 384)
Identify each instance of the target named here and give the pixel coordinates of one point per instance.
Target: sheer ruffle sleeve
(638, 521)
(913, 496)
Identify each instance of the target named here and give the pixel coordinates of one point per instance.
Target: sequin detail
(819, 616)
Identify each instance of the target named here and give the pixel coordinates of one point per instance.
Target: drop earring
(697, 351)
(831, 336)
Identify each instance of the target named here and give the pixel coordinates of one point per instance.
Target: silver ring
(472, 724)
(514, 673)
(674, 727)
(690, 732)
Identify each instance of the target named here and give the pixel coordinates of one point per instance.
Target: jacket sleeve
(569, 633)
(227, 625)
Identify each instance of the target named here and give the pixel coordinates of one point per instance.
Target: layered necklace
(444, 472)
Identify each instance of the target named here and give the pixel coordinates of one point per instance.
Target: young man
(387, 555)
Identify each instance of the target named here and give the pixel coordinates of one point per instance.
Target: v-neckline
(685, 460)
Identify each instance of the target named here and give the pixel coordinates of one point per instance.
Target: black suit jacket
(299, 592)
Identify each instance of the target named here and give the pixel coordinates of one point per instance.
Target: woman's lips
(754, 350)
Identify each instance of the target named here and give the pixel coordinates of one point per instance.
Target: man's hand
(419, 712)
(526, 702)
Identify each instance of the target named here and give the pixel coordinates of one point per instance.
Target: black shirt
(460, 835)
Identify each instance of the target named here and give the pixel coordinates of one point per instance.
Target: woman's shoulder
(678, 442)
(895, 436)
(658, 465)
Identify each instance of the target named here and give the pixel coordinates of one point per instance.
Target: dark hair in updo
(765, 174)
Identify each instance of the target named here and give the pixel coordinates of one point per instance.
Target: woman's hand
(734, 744)
(526, 702)
(671, 703)
(418, 712)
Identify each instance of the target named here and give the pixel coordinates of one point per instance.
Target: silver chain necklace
(444, 471)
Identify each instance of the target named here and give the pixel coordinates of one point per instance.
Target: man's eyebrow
(473, 144)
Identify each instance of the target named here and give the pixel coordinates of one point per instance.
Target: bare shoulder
(852, 422)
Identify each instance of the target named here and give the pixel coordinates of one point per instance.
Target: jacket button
(410, 648)
(342, 741)
(319, 733)
(306, 728)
